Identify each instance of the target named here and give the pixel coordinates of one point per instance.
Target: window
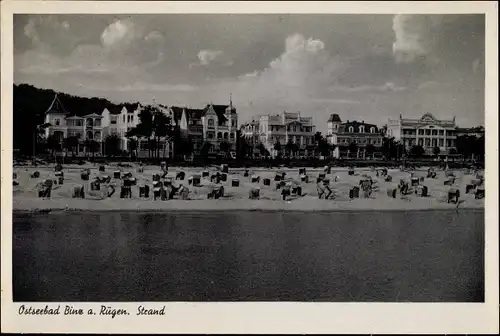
(361, 129)
(441, 142)
(219, 135)
(225, 136)
(210, 122)
(123, 118)
(113, 121)
(210, 135)
(441, 132)
(231, 135)
(420, 142)
(420, 132)
(98, 122)
(427, 132)
(57, 121)
(233, 123)
(434, 132)
(372, 129)
(351, 129)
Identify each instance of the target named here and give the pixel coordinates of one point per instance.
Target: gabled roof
(344, 127)
(177, 111)
(56, 106)
(220, 111)
(92, 115)
(334, 118)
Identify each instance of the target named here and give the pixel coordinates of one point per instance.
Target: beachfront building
(287, 128)
(220, 125)
(353, 138)
(333, 125)
(118, 120)
(427, 131)
(250, 133)
(60, 125)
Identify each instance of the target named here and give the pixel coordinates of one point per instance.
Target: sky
(363, 67)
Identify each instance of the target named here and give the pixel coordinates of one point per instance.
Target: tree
(53, 143)
(353, 148)
(112, 145)
(466, 145)
(92, 146)
(162, 128)
(224, 147)
(370, 149)
(262, 149)
(277, 147)
(70, 143)
(205, 149)
(242, 147)
(417, 151)
(479, 145)
(290, 147)
(132, 146)
(436, 150)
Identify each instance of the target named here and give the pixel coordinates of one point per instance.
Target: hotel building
(427, 132)
(286, 127)
(342, 134)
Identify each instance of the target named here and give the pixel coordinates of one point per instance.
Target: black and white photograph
(159, 158)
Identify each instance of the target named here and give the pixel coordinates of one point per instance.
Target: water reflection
(249, 256)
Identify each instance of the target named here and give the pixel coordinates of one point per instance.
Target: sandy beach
(25, 195)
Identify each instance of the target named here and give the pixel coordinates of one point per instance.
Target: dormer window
(351, 129)
(372, 129)
(361, 129)
(57, 121)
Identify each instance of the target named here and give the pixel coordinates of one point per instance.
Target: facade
(427, 132)
(362, 134)
(220, 124)
(119, 120)
(62, 125)
(116, 120)
(287, 127)
(250, 133)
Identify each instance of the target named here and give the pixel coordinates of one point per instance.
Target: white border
(265, 317)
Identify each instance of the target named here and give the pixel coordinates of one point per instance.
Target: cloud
(447, 40)
(120, 33)
(387, 87)
(142, 86)
(49, 33)
(410, 31)
(217, 57)
(124, 48)
(336, 101)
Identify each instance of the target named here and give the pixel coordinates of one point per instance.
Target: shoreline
(45, 206)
